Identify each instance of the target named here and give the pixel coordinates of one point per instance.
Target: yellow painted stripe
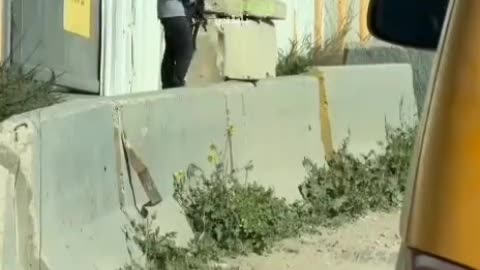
(326, 129)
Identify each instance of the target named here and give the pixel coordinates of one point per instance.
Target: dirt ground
(369, 243)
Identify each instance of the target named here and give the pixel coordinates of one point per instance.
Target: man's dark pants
(178, 51)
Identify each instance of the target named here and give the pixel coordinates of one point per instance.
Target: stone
(250, 50)
(225, 7)
(272, 9)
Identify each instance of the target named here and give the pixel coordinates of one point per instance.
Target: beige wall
(330, 14)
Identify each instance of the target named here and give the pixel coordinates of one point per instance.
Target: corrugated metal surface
(147, 46)
(116, 48)
(132, 47)
(39, 39)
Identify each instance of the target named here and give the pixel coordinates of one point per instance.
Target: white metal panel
(116, 72)
(132, 44)
(40, 41)
(147, 47)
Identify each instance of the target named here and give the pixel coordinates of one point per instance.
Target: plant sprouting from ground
(239, 216)
(162, 253)
(230, 215)
(305, 53)
(350, 185)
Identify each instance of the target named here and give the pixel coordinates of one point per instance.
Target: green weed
(230, 215)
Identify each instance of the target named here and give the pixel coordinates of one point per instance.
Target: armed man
(177, 21)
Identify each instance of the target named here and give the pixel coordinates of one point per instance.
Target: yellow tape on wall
(326, 128)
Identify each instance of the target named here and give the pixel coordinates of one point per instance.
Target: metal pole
(342, 19)
(319, 23)
(364, 33)
(295, 25)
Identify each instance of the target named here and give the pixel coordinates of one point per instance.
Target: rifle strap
(196, 28)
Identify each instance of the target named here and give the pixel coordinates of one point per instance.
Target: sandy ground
(369, 243)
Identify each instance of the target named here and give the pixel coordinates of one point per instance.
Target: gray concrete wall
(363, 98)
(65, 195)
(420, 60)
(72, 194)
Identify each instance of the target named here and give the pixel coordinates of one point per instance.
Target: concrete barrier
(5, 217)
(20, 230)
(67, 188)
(362, 99)
(420, 60)
(169, 131)
(279, 128)
(66, 204)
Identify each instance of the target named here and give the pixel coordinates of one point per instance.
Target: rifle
(195, 11)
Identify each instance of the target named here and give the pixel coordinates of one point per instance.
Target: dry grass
(303, 53)
(21, 92)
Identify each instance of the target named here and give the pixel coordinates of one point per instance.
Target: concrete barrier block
(236, 112)
(8, 244)
(420, 60)
(255, 59)
(7, 164)
(281, 127)
(19, 149)
(170, 130)
(80, 202)
(274, 9)
(71, 158)
(5, 176)
(66, 189)
(363, 98)
(225, 7)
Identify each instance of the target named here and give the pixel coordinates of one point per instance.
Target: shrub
(232, 216)
(304, 54)
(238, 217)
(350, 186)
(21, 92)
(161, 251)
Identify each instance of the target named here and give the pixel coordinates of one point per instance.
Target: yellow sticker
(77, 17)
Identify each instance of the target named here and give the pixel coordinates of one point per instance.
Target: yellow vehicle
(440, 225)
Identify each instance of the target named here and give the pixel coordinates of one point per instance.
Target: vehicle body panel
(440, 214)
